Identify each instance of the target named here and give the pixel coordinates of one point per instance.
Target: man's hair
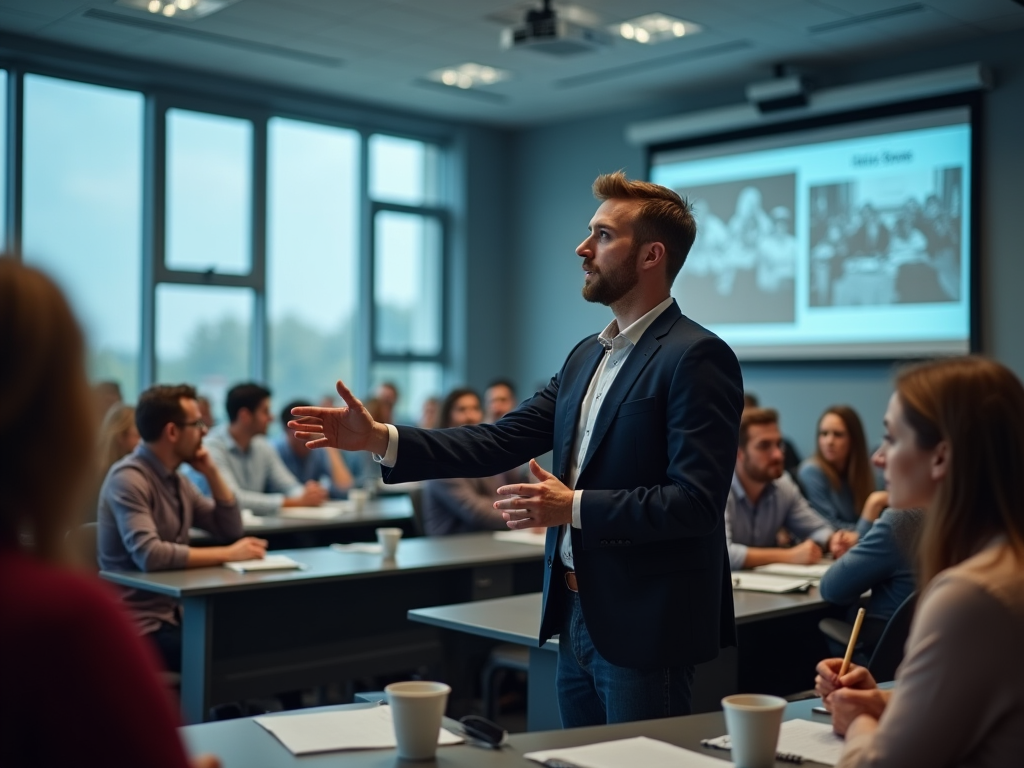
(502, 383)
(755, 417)
(286, 412)
(662, 216)
(159, 406)
(248, 395)
(750, 400)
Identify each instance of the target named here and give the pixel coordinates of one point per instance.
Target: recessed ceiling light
(654, 28)
(183, 10)
(469, 75)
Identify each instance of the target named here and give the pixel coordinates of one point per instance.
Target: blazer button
(549, 562)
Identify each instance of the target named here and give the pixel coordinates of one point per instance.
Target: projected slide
(849, 241)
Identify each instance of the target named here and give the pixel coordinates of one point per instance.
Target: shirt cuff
(737, 556)
(821, 537)
(577, 505)
(863, 526)
(390, 456)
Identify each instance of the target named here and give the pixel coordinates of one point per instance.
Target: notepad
(812, 571)
(268, 563)
(766, 582)
(359, 547)
(627, 753)
(326, 512)
(521, 537)
(803, 738)
(369, 728)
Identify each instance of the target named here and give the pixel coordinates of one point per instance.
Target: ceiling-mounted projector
(545, 32)
(778, 93)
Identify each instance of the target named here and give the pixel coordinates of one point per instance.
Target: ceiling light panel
(185, 10)
(469, 75)
(655, 28)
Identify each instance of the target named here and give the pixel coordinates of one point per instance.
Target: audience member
(500, 397)
(955, 447)
(387, 399)
(310, 465)
(118, 436)
(763, 498)
(206, 412)
(146, 509)
(881, 561)
(79, 687)
(837, 479)
(104, 395)
(250, 464)
(429, 413)
(461, 505)
(791, 456)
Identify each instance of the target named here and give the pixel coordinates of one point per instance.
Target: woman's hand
(849, 704)
(828, 679)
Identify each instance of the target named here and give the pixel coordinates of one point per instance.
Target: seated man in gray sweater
(146, 509)
(763, 499)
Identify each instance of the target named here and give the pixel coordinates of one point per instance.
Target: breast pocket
(634, 407)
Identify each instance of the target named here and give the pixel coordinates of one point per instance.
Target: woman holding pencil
(954, 446)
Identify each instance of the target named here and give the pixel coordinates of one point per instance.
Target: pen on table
(853, 641)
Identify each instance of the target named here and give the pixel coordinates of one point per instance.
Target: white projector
(779, 93)
(552, 35)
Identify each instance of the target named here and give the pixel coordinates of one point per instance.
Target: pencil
(853, 641)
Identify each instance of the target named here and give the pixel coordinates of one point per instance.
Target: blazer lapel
(635, 363)
(570, 418)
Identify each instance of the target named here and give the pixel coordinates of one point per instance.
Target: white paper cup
(358, 497)
(389, 538)
(416, 711)
(753, 722)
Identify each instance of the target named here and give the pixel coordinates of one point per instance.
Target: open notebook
(268, 563)
(766, 582)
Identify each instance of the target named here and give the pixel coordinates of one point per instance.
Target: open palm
(348, 428)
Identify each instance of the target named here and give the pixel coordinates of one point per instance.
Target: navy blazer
(650, 557)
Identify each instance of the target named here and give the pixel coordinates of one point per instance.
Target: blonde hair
(116, 424)
(46, 413)
(975, 406)
(858, 475)
(662, 217)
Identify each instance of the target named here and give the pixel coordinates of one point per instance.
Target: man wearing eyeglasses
(146, 508)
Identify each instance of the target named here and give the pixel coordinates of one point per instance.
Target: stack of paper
(766, 582)
(800, 738)
(369, 728)
(268, 563)
(813, 571)
(326, 512)
(359, 547)
(627, 753)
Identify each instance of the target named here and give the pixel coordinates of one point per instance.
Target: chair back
(888, 653)
(416, 498)
(82, 543)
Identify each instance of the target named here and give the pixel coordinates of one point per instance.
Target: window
(204, 338)
(83, 212)
(404, 171)
(209, 193)
(312, 258)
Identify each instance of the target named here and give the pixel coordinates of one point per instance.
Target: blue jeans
(592, 691)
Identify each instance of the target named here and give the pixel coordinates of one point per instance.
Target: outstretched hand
(350, 428)
(536, 505)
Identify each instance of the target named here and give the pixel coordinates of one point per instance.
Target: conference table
(343, 616)
(779, 643)
(242, 743)
(335, 521)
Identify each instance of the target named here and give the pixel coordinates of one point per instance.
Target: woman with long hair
(837, 480)
(954, 446)
(71, 659)
(118, 436)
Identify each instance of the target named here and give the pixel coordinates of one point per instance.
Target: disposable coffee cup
(753, 722)
(358, 497)
(416, 711)
(389, 538)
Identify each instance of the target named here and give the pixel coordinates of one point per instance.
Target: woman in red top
(78, 686)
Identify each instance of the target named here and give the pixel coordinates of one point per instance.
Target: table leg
(542, 694)
(196, 634)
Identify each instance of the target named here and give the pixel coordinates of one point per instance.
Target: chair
(416, 498)
(888, 653)
(501, 659)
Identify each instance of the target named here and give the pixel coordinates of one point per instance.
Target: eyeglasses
(198, 424)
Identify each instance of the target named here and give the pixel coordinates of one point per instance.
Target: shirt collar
(142, 452)
(741, 492)
(611, 336)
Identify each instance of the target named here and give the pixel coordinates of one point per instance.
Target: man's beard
(772, 472)
(609, 286)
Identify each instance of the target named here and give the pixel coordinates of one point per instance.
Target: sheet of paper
(268, 563)
(809, 740)
(812, 571)
(628, 753)
(523, 537)
(766, 582)
(251, 518)
(326, 512)
(359, 547)
(369, 728)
